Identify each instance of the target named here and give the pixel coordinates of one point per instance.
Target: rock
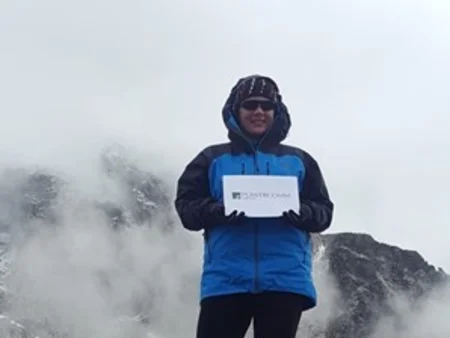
(146, 194)
(26, 195)
(37, 195)
(11, 329)
(369, 274)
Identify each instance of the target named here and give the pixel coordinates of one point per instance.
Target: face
(256, 115)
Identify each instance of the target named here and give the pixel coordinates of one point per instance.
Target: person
(256, 269)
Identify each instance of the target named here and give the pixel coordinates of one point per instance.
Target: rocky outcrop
(146, 195)
(369, 277)
(39, 194)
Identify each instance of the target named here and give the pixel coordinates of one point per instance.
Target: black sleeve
(316, 206)
(193, 200)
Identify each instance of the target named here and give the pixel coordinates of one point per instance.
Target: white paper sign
(260, 195)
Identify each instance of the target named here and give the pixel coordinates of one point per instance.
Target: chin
(258, 132)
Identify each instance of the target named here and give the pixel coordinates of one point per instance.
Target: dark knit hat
(257, 85)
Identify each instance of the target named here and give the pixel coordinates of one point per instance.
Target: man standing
(254, 268)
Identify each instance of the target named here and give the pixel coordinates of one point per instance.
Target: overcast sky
(367, 84)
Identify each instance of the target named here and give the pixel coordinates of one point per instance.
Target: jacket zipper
(256, 229)
(256, 259)
(255, 161)
(256, 246)
(256, 168)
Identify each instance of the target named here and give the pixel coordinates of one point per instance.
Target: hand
(298, 218)
(235, 217)
(292, 217)
(217, 214)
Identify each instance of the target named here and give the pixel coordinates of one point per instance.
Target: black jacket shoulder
(286, 149)
(214, 150)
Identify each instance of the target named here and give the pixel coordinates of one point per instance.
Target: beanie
(256, 85)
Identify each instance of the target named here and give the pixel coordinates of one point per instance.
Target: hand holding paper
(216, 212)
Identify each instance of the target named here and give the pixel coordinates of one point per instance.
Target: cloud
(82, 278)
(427, 318)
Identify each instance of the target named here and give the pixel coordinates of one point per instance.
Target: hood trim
(275, 135)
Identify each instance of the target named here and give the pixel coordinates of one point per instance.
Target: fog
(427, 319)
(84, 280)
(366, 84)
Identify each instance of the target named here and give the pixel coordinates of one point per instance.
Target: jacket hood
(281, 123)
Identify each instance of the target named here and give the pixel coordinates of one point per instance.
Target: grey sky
(366, 83)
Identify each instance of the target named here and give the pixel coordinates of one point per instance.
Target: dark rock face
(146, 194)
(369, 275)
(26, 195)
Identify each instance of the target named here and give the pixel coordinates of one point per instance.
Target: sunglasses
(254, 104)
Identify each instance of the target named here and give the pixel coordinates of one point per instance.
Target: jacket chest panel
(286, 165)
(257, 164)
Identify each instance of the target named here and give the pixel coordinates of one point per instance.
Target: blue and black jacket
(262, 254)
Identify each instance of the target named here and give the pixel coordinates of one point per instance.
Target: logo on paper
(236, 195)
(257, 195)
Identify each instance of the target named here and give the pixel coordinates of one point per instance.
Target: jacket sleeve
(316, 205)
(193, 201)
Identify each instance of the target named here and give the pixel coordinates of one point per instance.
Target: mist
(366, 84)
(428, 318)
(84, 280)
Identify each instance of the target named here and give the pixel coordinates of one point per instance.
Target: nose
(258, 110)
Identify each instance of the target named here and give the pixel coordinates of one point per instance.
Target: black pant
(274, 314)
